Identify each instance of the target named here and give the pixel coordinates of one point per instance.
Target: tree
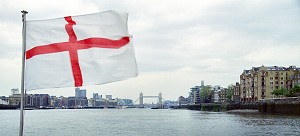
(295, 90)
(205, 94)
(229, 92)
(280, 91)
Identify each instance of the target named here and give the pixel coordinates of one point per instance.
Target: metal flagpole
(23, 68)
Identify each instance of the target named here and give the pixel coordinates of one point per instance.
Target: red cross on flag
(80, 50)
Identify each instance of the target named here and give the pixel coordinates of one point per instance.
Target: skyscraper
(202, 83)
(80, 93)
(80, 97)
(95, 96)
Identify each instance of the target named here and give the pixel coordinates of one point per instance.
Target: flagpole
(23, 68)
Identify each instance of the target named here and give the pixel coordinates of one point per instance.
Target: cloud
(10, 44)
(177, 43)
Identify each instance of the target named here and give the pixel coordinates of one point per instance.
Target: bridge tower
(160, 100)
(141, 100)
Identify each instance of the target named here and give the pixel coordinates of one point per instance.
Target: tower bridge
(141, 99)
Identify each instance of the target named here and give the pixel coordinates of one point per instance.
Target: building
(223, 95)
(15, 99)
(81, 102)
(63, 101)
(103, 102)
(182, 101)
(4, 100)
(236, 92)
(60, 102)
(294, 76)
(216, 90)
(28, 100)
(80, 93)
(112, 103)
(80, 98)
(249, 88)
(95, 96)
(259, 82)
(40, 100)
(195, 95)
(15, 91)
(109, 97)
(54, 101)
(128, 102)
(71, 102)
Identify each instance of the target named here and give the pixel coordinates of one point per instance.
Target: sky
(177, 43)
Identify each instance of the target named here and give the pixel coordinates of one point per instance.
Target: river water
(146, 122)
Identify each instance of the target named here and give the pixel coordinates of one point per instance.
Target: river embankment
(289, 105)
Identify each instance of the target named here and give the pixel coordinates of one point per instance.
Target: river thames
(146, 122)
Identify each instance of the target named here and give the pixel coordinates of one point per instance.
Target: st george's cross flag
(80, 50)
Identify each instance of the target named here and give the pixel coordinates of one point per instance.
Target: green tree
(294, 90)
(287, 93)
(205, 94)
(229, 92)
(280, 91)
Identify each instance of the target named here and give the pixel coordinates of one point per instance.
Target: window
(271, 78)
(271, 83)
(281, 78)
(281, 83)
(281, 73)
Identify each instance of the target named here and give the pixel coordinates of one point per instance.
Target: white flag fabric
(80, 50)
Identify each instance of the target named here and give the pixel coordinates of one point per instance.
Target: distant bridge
(141, 99)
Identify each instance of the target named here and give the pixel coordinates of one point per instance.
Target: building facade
(216, 90)
(195, 95)
(80, 98)
(259, 82)
(38, 100)
(236, 92)
(15, 91)
(182, 101)
(80, 93)
(15, 99)
(108, 97)
(128, 102)
(95, 96)
(223, 95)
(4, 100)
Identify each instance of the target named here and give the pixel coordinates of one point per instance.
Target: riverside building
(259, 82)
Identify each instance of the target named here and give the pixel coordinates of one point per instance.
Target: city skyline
(177, 44)
(79, 94)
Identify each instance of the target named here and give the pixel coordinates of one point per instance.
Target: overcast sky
(177, 43)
